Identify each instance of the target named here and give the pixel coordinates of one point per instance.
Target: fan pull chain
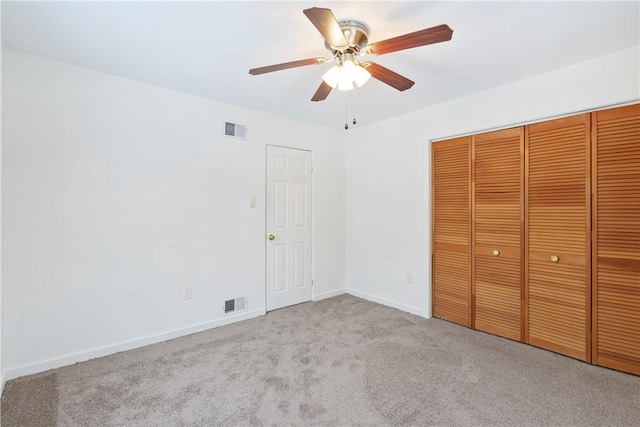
(346, 112)
(354, 105)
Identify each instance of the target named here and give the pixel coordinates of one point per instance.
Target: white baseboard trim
(330, 294)
(409, 309)
(3, 382)
(70, 359)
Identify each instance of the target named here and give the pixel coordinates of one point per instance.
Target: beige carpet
(338, 362)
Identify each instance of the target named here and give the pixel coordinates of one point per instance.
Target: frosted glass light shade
(344, 76)
(360, 75)
(332, 77)
(347, 69)
(345, 84)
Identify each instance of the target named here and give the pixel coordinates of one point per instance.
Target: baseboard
(330, 294)
(2, 380)
(70, 359)
(409, 309)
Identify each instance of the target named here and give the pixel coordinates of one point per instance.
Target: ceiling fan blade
(441, 33)
(387, 76)
(286, 65)
(326, 23)
(322, 92)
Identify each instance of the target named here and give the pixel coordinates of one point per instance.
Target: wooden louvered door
(451, 216)
(558, 216)
(616, 238)
(498, 167)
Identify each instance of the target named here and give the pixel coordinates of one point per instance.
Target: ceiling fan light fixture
(348, 39)
(346, 74)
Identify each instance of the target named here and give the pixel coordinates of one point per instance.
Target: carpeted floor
(342, 361)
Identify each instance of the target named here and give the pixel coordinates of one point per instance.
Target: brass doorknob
(496, 252)
(554, 258)
(271, 237)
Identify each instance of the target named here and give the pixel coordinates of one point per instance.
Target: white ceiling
(207, 48)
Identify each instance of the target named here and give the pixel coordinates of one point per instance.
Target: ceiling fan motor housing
(355, 32)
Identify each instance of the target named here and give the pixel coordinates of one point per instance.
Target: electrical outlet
(409, 278)
(188, 292)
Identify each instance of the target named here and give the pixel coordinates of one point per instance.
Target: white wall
(117, 194)
(388, 169)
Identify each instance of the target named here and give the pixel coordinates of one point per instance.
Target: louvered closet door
(616, 238)
(452, 230)
(558, 219)
(498, 160)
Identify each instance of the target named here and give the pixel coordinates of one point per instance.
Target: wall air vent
(235, 130)
(236, 304)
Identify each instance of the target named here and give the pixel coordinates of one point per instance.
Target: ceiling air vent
(235, 130)
(237, 304)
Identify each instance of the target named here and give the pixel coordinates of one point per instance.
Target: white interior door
(288, 227)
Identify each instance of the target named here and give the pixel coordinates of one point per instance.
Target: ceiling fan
(347, 40)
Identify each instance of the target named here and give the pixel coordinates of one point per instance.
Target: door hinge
(311, 282)
(312, 170)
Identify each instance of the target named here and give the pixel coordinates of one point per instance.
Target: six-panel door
(288, 226)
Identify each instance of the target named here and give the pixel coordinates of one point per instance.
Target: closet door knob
(496, 252)
(271, 237)
(554, 258)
